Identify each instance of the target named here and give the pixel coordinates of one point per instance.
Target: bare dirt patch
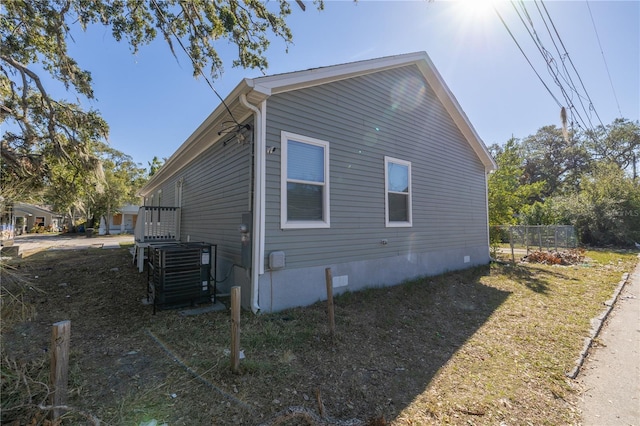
(481, 346)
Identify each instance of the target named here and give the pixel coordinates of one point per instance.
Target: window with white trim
(397, 188)
(304, 190)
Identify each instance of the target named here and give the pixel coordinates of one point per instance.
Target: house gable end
(282, 83)
(258, 89)
(364, 120)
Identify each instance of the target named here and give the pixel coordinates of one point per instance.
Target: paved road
(610, 377)
(34, 242)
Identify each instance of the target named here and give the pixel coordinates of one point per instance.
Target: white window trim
(397, 224)
(302, 224)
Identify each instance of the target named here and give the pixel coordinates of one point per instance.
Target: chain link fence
(536, 237)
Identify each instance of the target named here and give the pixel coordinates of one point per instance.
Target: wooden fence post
(329, 280)
(235, 329)
(513, 255)
(59, 373)
(540, 237)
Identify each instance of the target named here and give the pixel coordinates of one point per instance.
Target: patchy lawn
(489, 345)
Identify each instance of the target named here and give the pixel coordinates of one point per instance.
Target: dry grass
(482, 346)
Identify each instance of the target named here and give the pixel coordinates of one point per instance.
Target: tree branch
(45, 96)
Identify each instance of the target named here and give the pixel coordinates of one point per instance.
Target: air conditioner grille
(180, 274)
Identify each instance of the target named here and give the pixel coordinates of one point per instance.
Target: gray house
(31, 218)
(370, 168)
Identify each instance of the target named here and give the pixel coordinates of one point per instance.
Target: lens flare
(407, 94)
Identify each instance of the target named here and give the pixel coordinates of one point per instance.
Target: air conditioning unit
(180, 274)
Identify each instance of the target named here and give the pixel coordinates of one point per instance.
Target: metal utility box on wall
(246, 229)
(180, 274)
(276, 260)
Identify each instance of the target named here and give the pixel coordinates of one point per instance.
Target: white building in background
(121, 222)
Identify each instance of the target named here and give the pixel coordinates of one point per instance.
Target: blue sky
(152, 102)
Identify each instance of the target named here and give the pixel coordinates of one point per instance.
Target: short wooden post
(329, 280)
(59, 374)
(235, 329)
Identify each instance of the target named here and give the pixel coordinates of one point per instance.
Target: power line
(568, 78)
(603, 58)
(526, 57)
(193, 62)
(549, 59)
(557, 69)
(591, 106)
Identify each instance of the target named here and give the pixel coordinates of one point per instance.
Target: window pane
(305, 162)
(398, 207)
(398, 177)
(304, 201)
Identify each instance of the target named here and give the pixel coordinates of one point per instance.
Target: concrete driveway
(32, 243)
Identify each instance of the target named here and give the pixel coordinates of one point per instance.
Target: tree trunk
(107, 222)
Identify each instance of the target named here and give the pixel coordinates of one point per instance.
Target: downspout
(257, 241)
(486, 199)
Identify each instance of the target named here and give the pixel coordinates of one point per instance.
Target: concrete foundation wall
(287, 288)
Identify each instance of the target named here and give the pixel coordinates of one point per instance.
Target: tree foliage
(508, 192)
(549, 158)
(154, 165)
(606, 210)
(618, 142)
(41, 130)
(68, 189)
(123, 177)
(80, 193)
(589, 181)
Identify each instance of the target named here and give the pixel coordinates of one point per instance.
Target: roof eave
(204, 136)
(260, 88)
(19, 206)
(458, 115)
(280, 83)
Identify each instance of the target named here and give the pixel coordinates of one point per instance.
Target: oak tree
(34, 37)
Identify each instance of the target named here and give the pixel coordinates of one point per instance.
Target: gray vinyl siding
(357, 118)
(215, 193)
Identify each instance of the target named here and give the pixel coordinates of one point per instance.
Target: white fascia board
(313, 77)
(260, 88)
(302, 79)
(202, 138)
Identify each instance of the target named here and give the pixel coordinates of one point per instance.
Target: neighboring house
(7, 222)
(121, 222)
(29, 218)
(369, 168)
